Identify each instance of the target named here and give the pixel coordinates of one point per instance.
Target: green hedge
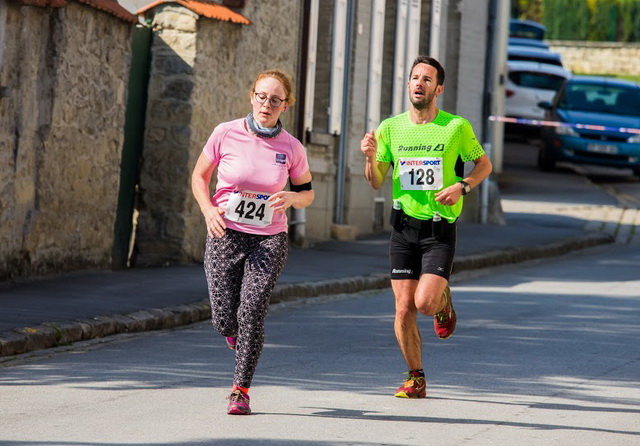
(592, 20)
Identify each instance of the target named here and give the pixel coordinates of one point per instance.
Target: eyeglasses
(274, 101)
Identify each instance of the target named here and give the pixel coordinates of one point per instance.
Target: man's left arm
(481, 170)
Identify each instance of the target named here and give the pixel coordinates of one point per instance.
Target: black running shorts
(413, 252)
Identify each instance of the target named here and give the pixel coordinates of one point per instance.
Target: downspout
(342, 147)
(411, 46)
(434, 29)
(309, 14)
(494, 92)
(488, 69)
(399, 93)
(3, 27)
(4, 90)
(376, 47)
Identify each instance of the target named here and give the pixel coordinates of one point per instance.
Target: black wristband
(465, 187)
(300, 187)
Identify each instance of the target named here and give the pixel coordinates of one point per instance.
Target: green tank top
(426, 158)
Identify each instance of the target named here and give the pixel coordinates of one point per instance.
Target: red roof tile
(113, 8)
(206, 9)
(109, 6)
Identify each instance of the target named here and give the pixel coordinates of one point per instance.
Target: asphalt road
(545, 354)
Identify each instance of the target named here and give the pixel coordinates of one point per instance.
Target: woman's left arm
(282, 200)
(304, 197)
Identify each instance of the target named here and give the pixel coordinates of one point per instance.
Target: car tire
(545, 160)
(636, 172)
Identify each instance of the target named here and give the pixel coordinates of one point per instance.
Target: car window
(522, 41)
(526, 30)
(601, 99)
(532, 58)
(543, 81)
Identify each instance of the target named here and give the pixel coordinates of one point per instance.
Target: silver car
(529, 83)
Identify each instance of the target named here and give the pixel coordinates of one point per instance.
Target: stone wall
(64, 79)
(599, 57)
(201, 75)
(63, 75)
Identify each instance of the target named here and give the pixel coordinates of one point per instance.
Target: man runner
(427, 148)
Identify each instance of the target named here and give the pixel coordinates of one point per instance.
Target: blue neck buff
(264, 132)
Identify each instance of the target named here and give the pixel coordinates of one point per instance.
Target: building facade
(108, 154)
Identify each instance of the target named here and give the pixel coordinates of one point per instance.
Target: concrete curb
(517, 255)
(54, 334)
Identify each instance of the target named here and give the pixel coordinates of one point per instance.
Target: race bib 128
(420, 173)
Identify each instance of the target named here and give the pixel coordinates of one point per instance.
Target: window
(543, 81)
(526, 29)
(602, 99)
(534, 58)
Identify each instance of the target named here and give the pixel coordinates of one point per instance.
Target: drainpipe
(306, 87)
(342, 147)
(400, 59)
(434, 31)
(4, 90)
(412, 45)
(376, 46)
(493, 132)
(3, 27)
(407, 47)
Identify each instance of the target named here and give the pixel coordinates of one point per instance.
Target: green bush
(629, 18)
(593, 20)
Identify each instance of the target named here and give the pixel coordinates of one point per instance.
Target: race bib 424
(249, 207)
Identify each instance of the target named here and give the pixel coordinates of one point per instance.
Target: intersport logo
(431, 162)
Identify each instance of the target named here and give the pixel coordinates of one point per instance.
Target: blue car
(532, 54)
(521, 41)
(596, 121)
(527, 29)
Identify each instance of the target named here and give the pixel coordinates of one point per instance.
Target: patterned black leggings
(241, 271)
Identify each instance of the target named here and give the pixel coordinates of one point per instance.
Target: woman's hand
(215, 222)
(281, 201)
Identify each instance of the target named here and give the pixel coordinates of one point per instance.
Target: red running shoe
(238, 403)
(414, 387)
(445, 322)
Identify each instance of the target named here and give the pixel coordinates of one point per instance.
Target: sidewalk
(61, 310)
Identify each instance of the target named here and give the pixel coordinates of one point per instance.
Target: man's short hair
(429, 61)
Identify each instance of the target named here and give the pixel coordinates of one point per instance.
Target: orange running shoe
(445, 322)
(414, 387)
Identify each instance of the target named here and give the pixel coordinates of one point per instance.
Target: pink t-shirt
(246, 162)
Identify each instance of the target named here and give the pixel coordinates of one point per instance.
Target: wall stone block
(599, 57)
(62, 123)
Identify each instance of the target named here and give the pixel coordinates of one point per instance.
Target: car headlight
(566, 131)
(634, 139)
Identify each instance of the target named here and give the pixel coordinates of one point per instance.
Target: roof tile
(204, 8)
(109, 6)
(113, 8)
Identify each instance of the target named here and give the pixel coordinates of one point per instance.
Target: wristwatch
(465, 187)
